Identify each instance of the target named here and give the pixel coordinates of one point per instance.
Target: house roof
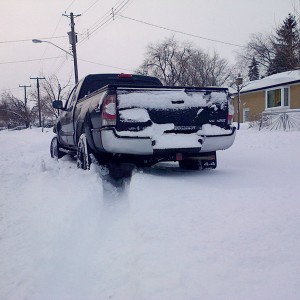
(284, 78)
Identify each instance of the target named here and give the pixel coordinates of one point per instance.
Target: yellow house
(275, 94)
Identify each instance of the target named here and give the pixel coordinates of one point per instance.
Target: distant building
(272, 95)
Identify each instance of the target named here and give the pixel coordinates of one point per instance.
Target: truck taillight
(230, 119)
(122, 75)
(109, 111)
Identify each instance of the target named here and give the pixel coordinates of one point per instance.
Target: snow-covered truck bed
(134, 119)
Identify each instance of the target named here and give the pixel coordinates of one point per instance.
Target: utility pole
(73, 41)
(39, 99)
(25, 93)
(25, 100)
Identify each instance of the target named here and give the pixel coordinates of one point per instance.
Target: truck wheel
(54, 149)
(83, 153)
(189, 164)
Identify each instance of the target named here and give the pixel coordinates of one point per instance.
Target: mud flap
(120, 170)
(119, 176)
(209, 163)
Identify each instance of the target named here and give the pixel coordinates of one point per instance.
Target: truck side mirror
(57, 104)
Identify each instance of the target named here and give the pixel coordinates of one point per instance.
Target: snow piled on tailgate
(169, 98)
(134, 115)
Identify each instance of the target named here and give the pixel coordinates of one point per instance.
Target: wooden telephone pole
(25, 101)
(39, 99)
(73, 41)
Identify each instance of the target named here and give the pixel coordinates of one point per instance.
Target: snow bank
(231, 233)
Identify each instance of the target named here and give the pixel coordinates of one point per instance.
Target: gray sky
(121, 43)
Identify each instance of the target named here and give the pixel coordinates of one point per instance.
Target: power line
(181, 32)
(55, 31)
(28, 60)
(96, 63)
(108, 13)
(106, 18)
(60, 65)
(90, 7)
(94, 25)
(90, 33)
(109, 16)
(97, 25)
(70, 5)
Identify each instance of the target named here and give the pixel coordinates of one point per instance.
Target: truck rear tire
(83, 153)
(54, 149)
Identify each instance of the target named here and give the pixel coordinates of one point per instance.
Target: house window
(278, 97)
(246, 113)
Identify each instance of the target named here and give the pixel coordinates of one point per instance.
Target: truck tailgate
(172, 117)
(181, 107)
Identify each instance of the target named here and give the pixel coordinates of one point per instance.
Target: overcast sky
(119, 45)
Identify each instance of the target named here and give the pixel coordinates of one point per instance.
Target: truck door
(67, 128)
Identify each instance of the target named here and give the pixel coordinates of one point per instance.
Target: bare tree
(14, 111)
(167, 60)
(53, 90)
(50, 90)
(177, 63)
(206, 70)
(4, 115)
(261, 47)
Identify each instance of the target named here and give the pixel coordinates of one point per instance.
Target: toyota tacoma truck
(126, 120)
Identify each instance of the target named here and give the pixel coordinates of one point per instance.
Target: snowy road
(230, 233)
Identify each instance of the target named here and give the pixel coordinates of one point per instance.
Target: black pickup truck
(124, 119)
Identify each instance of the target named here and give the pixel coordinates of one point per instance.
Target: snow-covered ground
(229, 233)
